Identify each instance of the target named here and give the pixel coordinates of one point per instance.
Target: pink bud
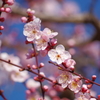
(24, 19)
(41, 65)
(2, 9)
(36, 78)
(45, 88)
(28, 92)
(7, 10)
(28, 65)
(1, 27)
(53, 42)
(94, 77)
(34, 67)
(98, 97)
(84, 88)
(72, 68)
(10, 2)
(30, 12)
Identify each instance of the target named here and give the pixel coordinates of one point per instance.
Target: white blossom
(32, 29)
(59, 54)
(75, 84)
(31, 83)
(18, 76)
(64, 79)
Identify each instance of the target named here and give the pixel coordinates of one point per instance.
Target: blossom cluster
(44, 41)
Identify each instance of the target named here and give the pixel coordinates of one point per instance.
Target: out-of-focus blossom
(32, 84)
(32, 29)
(93, 99)
(18, 76)
(75, 84)
(59, 54)
(64, 79)
(51, 6)
(70, 8)
(82, 96)
(13, 59)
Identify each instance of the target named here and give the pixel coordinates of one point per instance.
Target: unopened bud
(89, 86)
(10, 2)
(34, 67)
(1, 27)
(2, 9)
(29, 66)
(7, 10)
(72, 68)
(30, 12)
(94, 77)
(84, 88)
(45, 88)
(24, 19)
(98, 97)
(41, 65)
(28, 92)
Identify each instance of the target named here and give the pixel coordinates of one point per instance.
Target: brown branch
(2, 95)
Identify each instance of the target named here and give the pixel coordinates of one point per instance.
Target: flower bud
(7, 10)
(84, 88)
(24, 19)
(1, 27)
(94, 77)
(45, 88)
(2, 9)
(41, 65)
(10, 2)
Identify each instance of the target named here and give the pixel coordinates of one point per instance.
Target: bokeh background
(78, 25)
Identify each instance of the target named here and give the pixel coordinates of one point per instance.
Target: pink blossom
(75, 84)
(59, 54)
(18, 76)
(82, 96)
(64, 79)
(32, 29)
(69, 62)
(49, 34)
(32, 84)
(41, 44)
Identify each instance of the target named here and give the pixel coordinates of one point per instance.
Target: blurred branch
(78, 18)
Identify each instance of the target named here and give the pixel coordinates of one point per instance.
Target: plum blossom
(59, 54)
(65, 78)
(18, 76)
(46, 35)
(75, 84)
(32, 84)
(41, 44)
(82, 96)
(14, 59)
(32, 29)
(69, 62)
